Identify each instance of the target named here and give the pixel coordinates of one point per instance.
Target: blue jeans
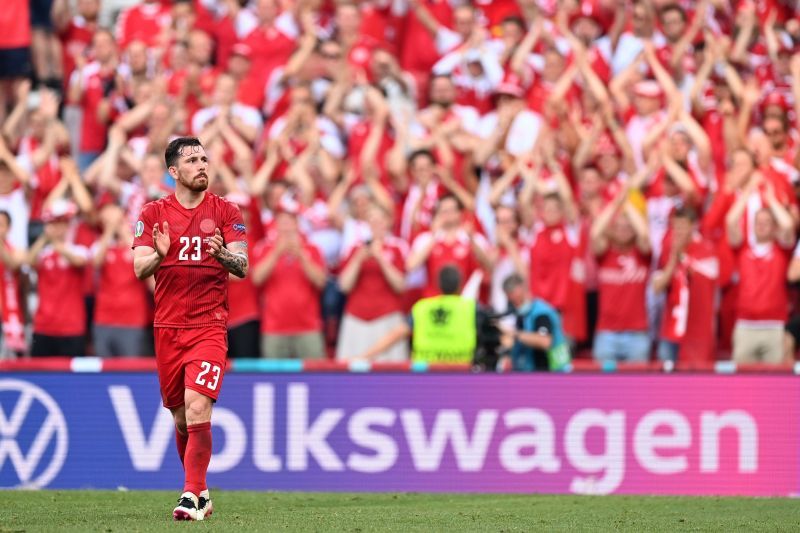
(668, 351)
(622, 346)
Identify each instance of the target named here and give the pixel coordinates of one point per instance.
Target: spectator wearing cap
(621, 242)
(512, 129)
(122, 311)
(762, 266)
(290, 274)
(372, 276)
(59, 325)
(588, 23)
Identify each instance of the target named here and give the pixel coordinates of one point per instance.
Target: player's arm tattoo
(234, 258)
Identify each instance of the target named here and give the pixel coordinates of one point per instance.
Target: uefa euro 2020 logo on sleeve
(33, 436)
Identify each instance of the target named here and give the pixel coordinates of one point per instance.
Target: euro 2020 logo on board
(33, 436)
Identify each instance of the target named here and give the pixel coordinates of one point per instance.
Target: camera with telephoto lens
(488, 349)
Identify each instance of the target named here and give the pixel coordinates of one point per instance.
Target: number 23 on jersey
(191, 249)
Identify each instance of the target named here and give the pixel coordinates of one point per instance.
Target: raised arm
(598, 233)
(733, 225)
(525, 47)
(680, 48)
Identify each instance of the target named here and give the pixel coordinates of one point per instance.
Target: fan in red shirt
(763, 299)
(450, 242)
(290, 272)
(689, 272)
(271, 45)
(91, 86)
(190, 241)
(75, 32)
(373, 279)
(556, 264)
(144, 22)
(621, 242)
(59, 326)
(122, 311)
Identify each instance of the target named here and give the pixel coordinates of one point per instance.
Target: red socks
(181, 440)
(197, 456)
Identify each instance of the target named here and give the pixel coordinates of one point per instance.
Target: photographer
(539, 343)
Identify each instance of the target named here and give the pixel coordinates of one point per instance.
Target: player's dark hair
(7, 216)
(174, 148)
(449, 279)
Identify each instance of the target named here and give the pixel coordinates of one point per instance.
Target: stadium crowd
(635, 163)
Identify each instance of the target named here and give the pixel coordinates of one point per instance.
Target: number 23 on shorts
(208, 376)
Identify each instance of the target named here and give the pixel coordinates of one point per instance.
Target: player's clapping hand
(215, 244)
(161, 240)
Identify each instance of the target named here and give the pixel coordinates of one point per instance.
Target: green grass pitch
(127, 512)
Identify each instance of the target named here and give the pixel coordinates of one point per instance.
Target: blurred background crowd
(633, 163)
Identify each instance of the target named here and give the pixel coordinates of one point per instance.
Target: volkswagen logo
(23, 445)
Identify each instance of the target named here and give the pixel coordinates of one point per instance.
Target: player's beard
(195, 184)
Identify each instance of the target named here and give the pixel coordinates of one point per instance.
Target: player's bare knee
(198, 410)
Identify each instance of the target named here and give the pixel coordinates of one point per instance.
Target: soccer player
(190, 241)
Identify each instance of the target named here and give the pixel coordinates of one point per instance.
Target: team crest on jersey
(207, 225)
(139, 229)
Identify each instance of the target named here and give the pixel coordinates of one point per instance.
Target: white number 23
(191, 242)
(213, 379)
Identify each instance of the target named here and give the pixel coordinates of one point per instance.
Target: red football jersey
(551, 261)
(191, 286)
(690, 308)
(290, 302)
(122, 298)
(61, 310)
(763, 294)
(622, 285)
(372, 297)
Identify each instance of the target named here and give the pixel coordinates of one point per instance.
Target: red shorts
(190, 359)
